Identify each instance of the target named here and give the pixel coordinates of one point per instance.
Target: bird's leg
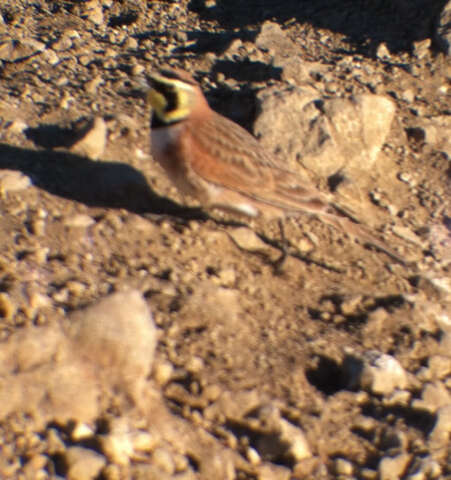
(278, 264)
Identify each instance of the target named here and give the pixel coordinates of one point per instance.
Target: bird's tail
(347, 223)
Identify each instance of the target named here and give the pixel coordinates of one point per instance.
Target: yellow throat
(171, 99)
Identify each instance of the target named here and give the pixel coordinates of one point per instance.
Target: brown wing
(243, 165)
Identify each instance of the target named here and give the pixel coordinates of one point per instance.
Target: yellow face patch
(171, 99)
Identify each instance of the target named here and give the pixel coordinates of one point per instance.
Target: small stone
(17, 127)
(37, 227)
(18, 50)
(253, 456)
(433, 396)
(143, 441)
(50, 57)
(7, 307)
(369, 474)
(227, 277)
(93, 139)
(269, 471)
(440, 366)
(137, 69)
(83, 464)
(63, 44)
(79, 220)
(54, 442)
(393, 468)
(382, 52)
(424, 469)
(81, 431)
(34, 464)
(118, 448)
(131, 43)
(162, 372)
(350, 306)
(13, 181)
(92, 11)
(343, 467)
(195, 364)
(291, 441)
(378, 373)
(421, 48)
(408, 95)
(162, 459)
(91, 85)
(439, 437)
(246, 239)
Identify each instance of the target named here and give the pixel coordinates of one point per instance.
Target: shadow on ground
(100, 184)
(397, 23)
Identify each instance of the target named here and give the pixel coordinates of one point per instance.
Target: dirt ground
(229, 323)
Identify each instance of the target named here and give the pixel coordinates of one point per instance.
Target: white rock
(119, 336)
(93, 139)
(246, 239)
(118, 447)
(13, 181)
(439, 437)
(79, 220)
(83, 464)
(393, 468)
(376, 372)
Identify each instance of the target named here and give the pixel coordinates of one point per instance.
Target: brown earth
(227, 321)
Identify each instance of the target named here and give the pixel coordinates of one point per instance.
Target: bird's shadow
(96, 184)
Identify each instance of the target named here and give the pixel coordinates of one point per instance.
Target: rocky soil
(144, 339)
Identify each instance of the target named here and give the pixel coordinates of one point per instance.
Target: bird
(216, 161)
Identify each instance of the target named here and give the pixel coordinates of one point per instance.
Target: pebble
(383, 52)
(79, 220)
(162, 372)
(162, 459)
(439, 437)
(290, 437)
(83, 464)
(93, 141)
(92, 11)
(343, 467)
(63, 44)
(117, 447)
(439, 366)
(13, 181)
(433, 396)
(81, 431)
(50, 57)
(425, 469)
(376, 372)
(253, 456)
(14, 50)
(393, 468)
(269, 471)
(91, 85)
(17, 127)
(247, 239)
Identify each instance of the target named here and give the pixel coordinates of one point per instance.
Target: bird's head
(174, 95)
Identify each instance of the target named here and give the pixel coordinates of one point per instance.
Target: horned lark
(211, 158)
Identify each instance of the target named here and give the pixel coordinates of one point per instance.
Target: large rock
(58, 374)
(325, 136)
